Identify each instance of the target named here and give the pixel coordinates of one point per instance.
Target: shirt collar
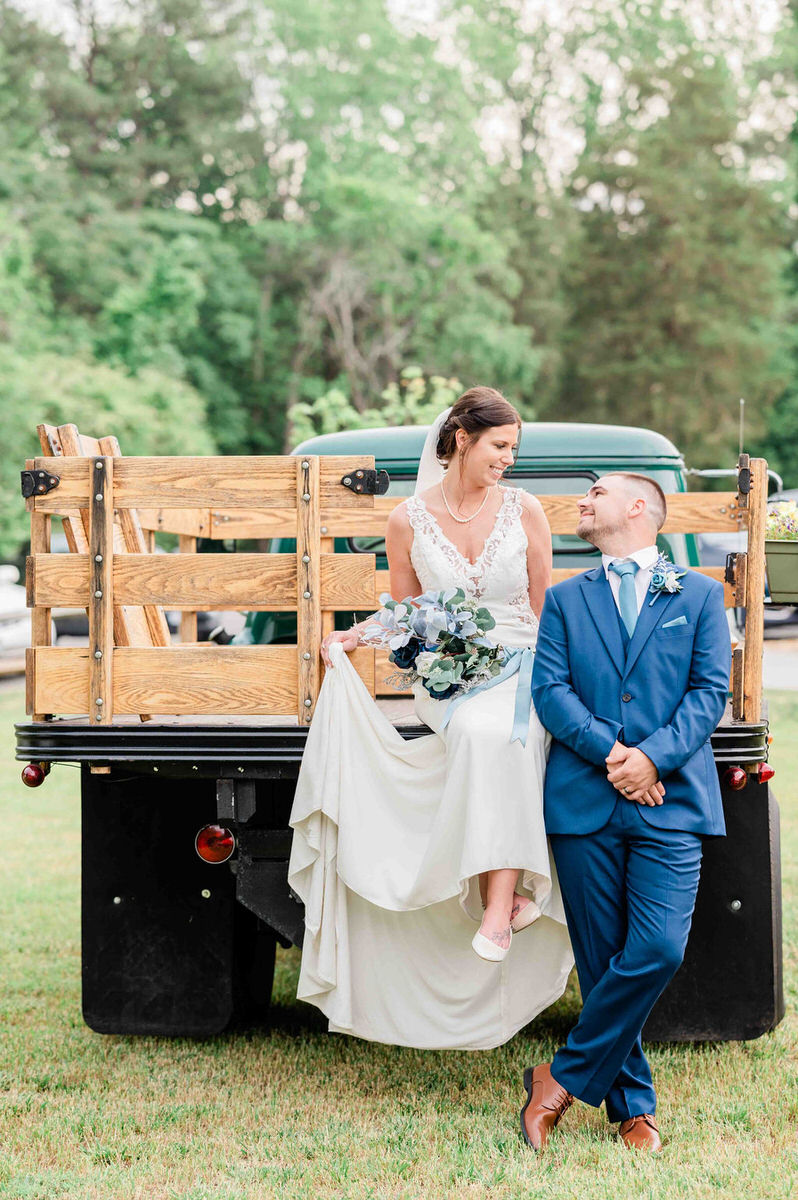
(644, 558)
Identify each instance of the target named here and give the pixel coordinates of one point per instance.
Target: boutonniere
(664, 578)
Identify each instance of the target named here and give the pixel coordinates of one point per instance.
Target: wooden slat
(191, 582)
(194, 521)
(308, 593)
(101, 590)
(133, 542)
(737, 684)
(755, 590)
(179, 482)
(327, 547)
(41, 623)
(188, 618)
(204, 679)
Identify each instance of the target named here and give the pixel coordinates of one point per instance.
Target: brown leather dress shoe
(546, 1101)
(641, 1133)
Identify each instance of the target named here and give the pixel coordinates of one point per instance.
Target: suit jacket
(664, 694)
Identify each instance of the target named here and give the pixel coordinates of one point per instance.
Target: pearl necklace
(464, 520)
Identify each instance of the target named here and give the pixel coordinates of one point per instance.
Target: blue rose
(436, 695)
(405, 656)
(658, 578)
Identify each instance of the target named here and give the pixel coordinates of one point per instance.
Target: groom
(631, 677)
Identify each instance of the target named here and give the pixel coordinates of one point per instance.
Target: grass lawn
(300, 1113)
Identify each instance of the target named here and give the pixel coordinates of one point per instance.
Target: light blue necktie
(628, 597)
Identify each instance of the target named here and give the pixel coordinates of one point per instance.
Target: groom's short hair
(653, 495)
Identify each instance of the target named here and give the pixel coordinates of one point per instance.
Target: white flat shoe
(527, 916)
(487, 949)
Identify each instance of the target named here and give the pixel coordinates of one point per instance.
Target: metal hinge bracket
(367, 481)
(37, 483)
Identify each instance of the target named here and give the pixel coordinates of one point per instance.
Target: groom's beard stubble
(594, 533)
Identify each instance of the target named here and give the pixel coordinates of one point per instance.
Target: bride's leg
(500, 891)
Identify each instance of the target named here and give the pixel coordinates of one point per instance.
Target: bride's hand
(348, 639)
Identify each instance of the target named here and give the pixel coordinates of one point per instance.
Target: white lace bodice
(498, 579)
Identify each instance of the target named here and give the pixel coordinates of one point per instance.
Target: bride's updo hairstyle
(478, 409)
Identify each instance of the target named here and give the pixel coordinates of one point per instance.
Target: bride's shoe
(487, 949)
(527, 916)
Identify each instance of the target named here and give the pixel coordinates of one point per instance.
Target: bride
(418, 860)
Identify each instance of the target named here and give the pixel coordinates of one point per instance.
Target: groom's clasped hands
(632, 773)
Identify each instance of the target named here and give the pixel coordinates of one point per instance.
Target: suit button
(626, 697)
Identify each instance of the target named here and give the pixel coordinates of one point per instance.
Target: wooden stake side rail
(129, 667)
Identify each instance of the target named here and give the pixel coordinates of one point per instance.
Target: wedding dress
(390, 835)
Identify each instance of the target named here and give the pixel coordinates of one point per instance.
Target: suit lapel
(648, 620)
(600, 602)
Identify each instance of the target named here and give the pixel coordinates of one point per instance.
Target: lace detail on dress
(498, 579)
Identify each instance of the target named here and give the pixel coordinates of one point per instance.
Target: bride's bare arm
(398, 540)
(538, 556)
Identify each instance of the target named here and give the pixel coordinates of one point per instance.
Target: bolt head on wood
(98, 466)
(98, 701)
(306, 558)
(306, 656)
(305, 465)
(306, 496)
(347, 481)
(98, 595)
(306, 595)
(98, 653)
(308, 703)
(98, 496)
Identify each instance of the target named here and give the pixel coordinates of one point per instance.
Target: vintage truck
(189, 753)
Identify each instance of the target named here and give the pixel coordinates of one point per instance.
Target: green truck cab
(553, 458)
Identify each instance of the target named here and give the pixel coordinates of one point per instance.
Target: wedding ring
(626, 791)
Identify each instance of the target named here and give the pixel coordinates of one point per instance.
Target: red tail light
(735, 778)
(765, 772)
(34, 774)
(214, 843)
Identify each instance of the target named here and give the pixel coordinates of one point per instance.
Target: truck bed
(261, 746)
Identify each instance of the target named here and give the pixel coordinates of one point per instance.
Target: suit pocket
(674, 631)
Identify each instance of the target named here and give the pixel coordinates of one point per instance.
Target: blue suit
(628, 872)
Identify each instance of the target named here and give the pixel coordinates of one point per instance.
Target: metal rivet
(306, 656)
(306, 496)
(41, 474)
(347, 480)
(98, 700)
(359, 474)
(324, 529)
(306, 558)
(98, 653)
(240, 770)
(723, 510)
(98, 466)
(98, 558)
(735, 905)
(98, 496)
(156, 769)
(205, 893)
(306, 595)
(98, 595)
(305, 465)
(117, 899)
(308, 703)
(308, 717)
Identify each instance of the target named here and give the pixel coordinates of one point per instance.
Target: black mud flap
(167, 949)
(729, 987)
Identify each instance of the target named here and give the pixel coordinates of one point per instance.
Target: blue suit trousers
(629, 891)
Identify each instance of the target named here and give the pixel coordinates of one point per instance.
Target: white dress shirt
(645, 560)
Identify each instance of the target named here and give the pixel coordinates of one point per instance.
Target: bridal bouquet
(439, 638)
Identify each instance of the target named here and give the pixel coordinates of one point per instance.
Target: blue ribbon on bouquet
(518, 662)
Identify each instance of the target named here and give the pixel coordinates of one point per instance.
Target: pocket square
(675, 621)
